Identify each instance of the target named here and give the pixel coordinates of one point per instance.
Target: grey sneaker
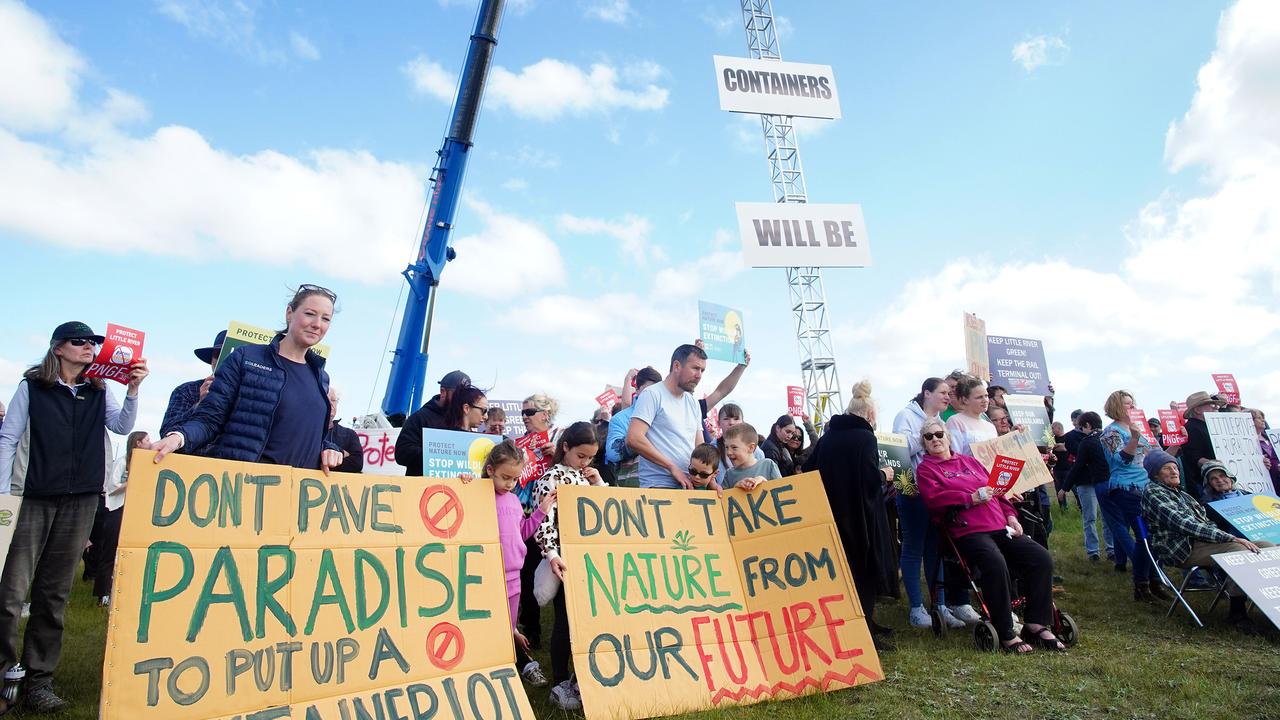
(564, 697)
(533, 674)
(43, 700)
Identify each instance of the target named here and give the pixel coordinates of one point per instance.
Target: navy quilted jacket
(241, 404)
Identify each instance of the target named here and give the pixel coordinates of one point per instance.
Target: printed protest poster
(10, 506)
(1015, 445)
(803, 234)
(1274, 437)
(895, 452)
(1029, 410)
(1172, 431)
(1004, 474)
(450, 453)
(1139, 418)
(1235, 444)
(513, 424)
(1258, 575)
(121, 348)
(774, 87)
(975, 347)
(379, 448)
(681, 600)
(264, 591)
(536, 462)
(239, 333)
(795, 400)
(608, 399)
(1017, 365)
(721, 331)
(1256, 517)
(1227, 387)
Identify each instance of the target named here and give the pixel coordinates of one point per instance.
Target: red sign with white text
(1172, 428)
(535, 461)
(795, 400)
(1227, 387)
(1139, 418)
(120, 350)
(608, 398)
(1004, 473)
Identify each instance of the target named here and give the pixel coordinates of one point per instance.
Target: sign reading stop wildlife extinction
(681, 600)
(262, 591)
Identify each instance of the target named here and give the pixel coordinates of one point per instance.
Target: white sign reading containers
(803, 235)
(775, 87)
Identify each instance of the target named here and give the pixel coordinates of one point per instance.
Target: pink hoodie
(947, 483)
(513, 529)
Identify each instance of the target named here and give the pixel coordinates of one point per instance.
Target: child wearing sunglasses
(704, 465)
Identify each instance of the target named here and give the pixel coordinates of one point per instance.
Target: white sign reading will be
(803, 235)
(775, 87)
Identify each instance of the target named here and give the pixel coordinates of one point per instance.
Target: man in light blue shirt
(666, 423)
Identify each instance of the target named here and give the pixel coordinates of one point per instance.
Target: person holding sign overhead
(53, 452)
(989, 537)
(270, 403)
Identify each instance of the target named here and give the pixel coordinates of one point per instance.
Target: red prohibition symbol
(442, 517)
(445, 646)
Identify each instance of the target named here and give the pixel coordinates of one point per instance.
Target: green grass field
(1131, 663)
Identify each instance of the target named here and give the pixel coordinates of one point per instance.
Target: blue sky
(1099, 176)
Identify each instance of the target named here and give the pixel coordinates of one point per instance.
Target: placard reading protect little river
(681, 600)
(263, 591)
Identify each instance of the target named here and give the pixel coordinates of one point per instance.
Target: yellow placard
(239, 333)
(975, 347)
(1015, 445)
(262, 591)
(681, 600)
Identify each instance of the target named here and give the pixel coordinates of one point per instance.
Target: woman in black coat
(849, 463)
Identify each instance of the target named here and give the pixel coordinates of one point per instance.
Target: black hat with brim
(75, 329)
(207, 354)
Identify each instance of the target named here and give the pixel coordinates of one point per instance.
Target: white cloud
(516, 185)
(537, 157)
(508, 252)
(41, 72)
(722, 24)
(631, 231)
(430, 78)
(783, 26)
(303, 47)
(232, 24)
(550, 88)
(1033, 52)
(610, 11)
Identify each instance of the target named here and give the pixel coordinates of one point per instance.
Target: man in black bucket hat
(188, 395)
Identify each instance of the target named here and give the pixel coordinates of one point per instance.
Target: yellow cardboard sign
(1015, 445)
(681, 601)
(239, 333)
(261, 591)
(975, 347)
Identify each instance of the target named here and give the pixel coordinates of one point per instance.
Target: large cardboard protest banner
(121, 347)
(803, 235)
(975, 347)
(1015, 445)
(263, 591)
(681, 600)
(721, 331)
(1258, 575)
(775, 87)
(239, 334)
(379, 448)
(1235, 444)
(1029, 410)
(1256, 517)
(10, 506)
(1017, 365)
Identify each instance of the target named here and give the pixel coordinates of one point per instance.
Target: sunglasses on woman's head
(530, 412)
(934, 435)
(307, 287)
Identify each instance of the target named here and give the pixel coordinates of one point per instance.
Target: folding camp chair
(1180, 591)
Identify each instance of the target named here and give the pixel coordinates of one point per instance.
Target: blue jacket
(241, 404)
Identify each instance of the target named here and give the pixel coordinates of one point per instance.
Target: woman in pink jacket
(989, 537)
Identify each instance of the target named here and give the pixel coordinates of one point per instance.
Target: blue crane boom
(407, 381)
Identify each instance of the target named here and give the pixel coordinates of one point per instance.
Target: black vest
(68, 436)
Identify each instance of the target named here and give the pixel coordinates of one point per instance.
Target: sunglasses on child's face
(934, 435)
(703, 475)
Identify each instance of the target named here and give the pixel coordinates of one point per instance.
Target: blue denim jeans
(1122, 509)
(1088, 498)
(919, 543)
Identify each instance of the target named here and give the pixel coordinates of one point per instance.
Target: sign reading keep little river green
(258, 592)
(681, 600)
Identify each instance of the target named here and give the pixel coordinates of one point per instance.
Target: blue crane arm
(406, 383)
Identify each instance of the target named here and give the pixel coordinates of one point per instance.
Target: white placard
(10, 506)
(803, 235)
(1235, 444)
(776, 87)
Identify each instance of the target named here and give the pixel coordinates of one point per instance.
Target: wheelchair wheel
(1067, 631)
(986, 637)
(938, 625)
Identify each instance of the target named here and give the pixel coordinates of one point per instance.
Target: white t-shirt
(674, 421)
(965, 431)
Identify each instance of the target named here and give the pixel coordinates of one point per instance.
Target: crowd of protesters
(273, 403)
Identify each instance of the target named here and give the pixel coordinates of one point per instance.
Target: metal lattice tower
(808, 300)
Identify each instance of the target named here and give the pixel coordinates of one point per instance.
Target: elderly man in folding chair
(1183, 535)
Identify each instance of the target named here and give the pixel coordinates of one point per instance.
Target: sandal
(1043, 637)
(1017, 646)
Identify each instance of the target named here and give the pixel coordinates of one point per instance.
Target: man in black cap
(431, 415)
(53, 452)
(188, 395)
